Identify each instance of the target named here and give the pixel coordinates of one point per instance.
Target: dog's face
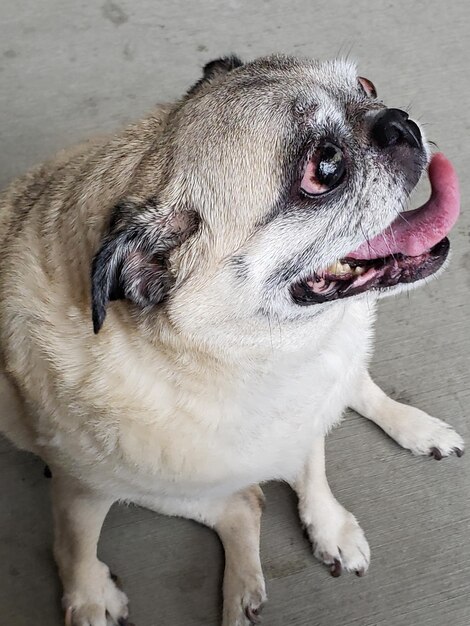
(278, 171)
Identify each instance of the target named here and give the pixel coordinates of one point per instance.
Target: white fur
(187, 408)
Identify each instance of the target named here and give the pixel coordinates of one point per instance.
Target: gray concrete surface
(70, 69)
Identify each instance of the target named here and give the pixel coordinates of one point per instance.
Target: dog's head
(286, 182)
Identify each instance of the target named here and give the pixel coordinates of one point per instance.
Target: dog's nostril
(413, 129)
(393, 127)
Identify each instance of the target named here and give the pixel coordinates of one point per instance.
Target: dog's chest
(226, 433)
(280, 412)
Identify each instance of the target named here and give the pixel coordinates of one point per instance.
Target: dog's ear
(132, 262)
(214, 69)
(221, 66)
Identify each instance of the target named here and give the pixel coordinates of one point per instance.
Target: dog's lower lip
(376, 274)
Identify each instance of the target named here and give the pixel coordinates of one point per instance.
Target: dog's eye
(324, 171)
(367, 87)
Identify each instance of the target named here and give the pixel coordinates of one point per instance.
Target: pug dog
(187, 308)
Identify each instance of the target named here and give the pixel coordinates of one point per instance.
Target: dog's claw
(336, 568)
(47, 471)
(122, 621)
(68, 616)
(253, 614)
(360, 573)
(437, 454)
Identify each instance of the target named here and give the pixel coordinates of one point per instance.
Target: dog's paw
(417, 431)
(338, 541)
(244, 599)
(97, 604)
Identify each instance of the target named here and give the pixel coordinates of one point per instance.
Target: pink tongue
(415, 232)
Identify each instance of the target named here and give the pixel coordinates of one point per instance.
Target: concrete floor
(70, 69)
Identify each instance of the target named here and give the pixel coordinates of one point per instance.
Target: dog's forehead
(338, 73)
(335, 76)
(274, 92)
(283, 86)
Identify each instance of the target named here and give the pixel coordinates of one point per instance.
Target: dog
(187, 309)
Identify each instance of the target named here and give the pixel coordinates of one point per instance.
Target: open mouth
(412, 248)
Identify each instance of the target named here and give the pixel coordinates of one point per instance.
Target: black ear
(216, 68)
(221, 66)
(132, 261)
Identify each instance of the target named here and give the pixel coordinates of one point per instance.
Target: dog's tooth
(338, 269)
(359, 270)
(334, 268)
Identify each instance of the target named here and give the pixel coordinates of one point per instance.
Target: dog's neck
(263, 340)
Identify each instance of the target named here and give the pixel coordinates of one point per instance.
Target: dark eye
(324, 171)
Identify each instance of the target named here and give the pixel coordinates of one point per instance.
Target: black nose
(392, 127)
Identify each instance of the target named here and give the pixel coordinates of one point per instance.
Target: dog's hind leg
(14, 420)
(410, 427)
(90, 595)
(337, 539)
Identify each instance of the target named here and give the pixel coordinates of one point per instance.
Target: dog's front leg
(236, 519)
(337, 539)
(238, 527)
(90, 595)
(410, 427)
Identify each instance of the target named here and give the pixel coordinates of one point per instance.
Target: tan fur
(185, 404)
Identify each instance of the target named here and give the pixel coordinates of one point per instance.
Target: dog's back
(50, 221)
